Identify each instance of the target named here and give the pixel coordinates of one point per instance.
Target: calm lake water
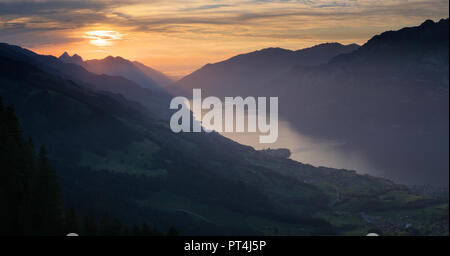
(305, 149)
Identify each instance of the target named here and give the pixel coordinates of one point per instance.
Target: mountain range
(386, 101)
(118, 66)
(109, 139)
(238, 75)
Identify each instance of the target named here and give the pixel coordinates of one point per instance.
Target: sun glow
(102, 37)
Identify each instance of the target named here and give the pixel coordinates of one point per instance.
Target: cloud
(205, 7)
(334, 4)
(76, 14)
(48, 7)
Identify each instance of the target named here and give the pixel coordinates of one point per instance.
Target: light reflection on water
(305, 149)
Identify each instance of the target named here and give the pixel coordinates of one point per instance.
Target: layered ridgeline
(153, 99)
(117, 66)
(114, 154)
(385, 102)
(247, 74)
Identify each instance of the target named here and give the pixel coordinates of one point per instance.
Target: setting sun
(102, 37)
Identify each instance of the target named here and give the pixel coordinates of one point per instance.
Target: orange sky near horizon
(178, 37)
(177, 58)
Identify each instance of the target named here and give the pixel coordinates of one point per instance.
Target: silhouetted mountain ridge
(75, 59)
(245, 74)
(154, 100)
(311, 56)
(117, 66)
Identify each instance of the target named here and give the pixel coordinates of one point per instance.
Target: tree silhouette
(30, 196)
(29, 190)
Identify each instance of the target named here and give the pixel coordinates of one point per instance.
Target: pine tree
(16, 164)
(29, 191)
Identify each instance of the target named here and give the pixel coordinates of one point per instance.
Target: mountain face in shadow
(386, 101)
(403, 44)
(155, 100)
(137, 72)
(75, 59)
(115, 155)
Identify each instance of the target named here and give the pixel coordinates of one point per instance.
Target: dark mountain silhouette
(387, 100)
(117, 66)
(155, 100)
(115, 155)
(429, 36)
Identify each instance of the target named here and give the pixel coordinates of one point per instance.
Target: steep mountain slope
(246, 73)
(116, 66)
(114, 155)
(155, 100)
(386, 102)
(405, 44)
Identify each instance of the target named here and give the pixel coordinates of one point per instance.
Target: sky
(177, 37)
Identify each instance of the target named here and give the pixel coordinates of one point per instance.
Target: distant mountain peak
(133, 71)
